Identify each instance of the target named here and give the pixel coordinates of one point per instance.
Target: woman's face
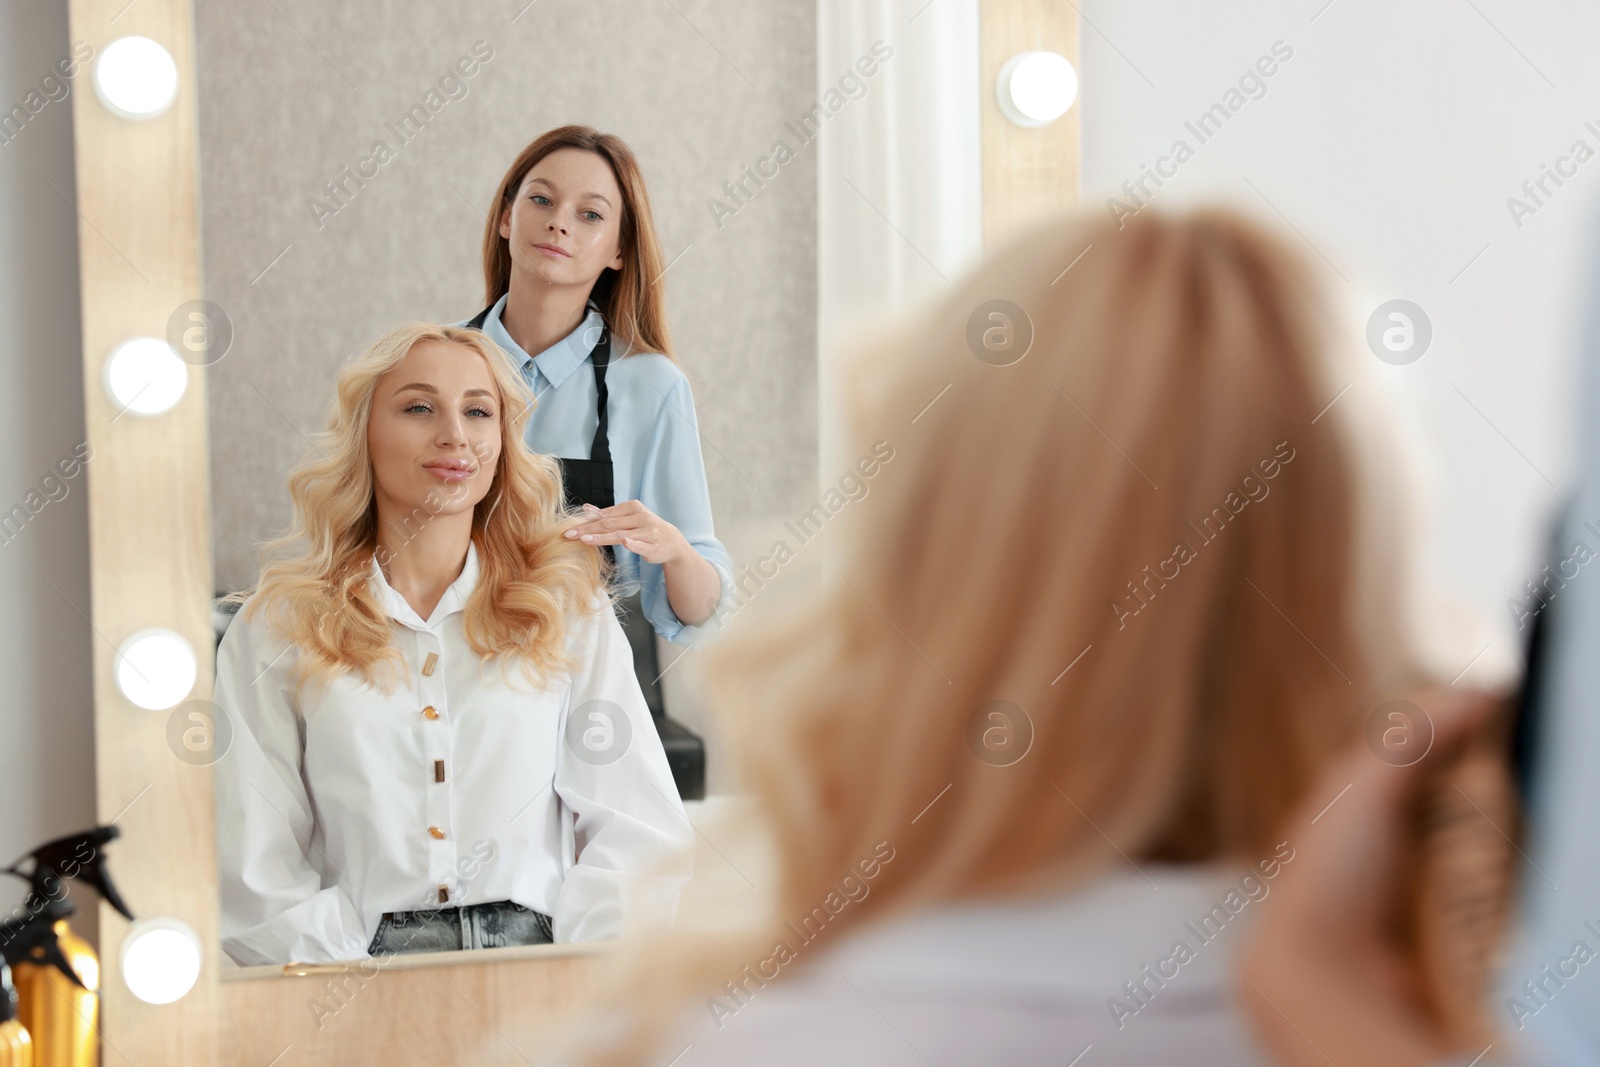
(565, 222)
(434, 434)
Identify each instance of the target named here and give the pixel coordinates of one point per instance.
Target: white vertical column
(899, 188)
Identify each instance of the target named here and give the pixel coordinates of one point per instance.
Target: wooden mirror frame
(148, 487)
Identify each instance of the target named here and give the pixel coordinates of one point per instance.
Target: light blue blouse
(655, 447)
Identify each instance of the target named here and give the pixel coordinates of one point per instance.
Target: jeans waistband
(469, 926)
(455, 909)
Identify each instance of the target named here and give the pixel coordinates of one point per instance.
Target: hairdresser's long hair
(631, 298)
(1005, 554)
(318, 596)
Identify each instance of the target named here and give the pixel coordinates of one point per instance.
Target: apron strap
(600, 447)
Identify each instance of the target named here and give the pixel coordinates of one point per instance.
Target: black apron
(589, 481)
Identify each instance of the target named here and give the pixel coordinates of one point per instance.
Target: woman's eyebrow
(426, 388)
(585, 196)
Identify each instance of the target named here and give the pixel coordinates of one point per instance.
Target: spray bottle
(30, 936)
(57, 972)
(16, 1047)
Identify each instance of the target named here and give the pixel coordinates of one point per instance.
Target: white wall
(1391, 139)
(46, 714)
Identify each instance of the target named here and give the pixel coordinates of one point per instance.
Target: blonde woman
(1024, 743)
(437, 739)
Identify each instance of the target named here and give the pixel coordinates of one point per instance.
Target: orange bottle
(62, 1017)
(16, 1048)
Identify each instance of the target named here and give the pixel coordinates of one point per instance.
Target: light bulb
(135, 78)
(155, 669)
(1036, 88)
(160, 959)
(145, 376)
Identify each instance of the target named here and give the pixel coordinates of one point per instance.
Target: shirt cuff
(323, 928)
(680, 633)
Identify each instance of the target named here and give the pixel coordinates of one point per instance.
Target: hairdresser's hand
(1317, 976)
(634, 527)
(694, 588)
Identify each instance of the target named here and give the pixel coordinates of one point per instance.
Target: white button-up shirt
(455, 789)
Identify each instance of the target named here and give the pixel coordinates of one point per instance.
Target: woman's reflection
(390, 786)
(572, 276)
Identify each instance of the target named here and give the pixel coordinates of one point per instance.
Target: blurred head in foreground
(1131, 587)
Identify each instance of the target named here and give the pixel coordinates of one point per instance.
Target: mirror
(348, 158)
(786, 125)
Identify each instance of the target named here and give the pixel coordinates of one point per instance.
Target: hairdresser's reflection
(1104, 618)
(572, 286)
(438, 739)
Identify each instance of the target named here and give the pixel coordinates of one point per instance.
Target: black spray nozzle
(8, 994)
(32, 939)
(81, 856)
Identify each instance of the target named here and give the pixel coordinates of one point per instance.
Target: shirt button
(429, 712)
(436, 832)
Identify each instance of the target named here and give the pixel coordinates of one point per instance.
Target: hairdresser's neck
(420, 561)
(538, 314)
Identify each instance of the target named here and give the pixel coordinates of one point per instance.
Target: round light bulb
(135, 78)
(160, 960)
(155, 669)
(1036, 88)
(145, 376)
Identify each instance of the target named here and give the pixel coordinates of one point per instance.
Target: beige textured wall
(293, 91)
(289, 99)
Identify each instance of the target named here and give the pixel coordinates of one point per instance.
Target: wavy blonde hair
(996, 561)
(319, 597)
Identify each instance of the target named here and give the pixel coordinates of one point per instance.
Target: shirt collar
(454, 599)
(558, 361)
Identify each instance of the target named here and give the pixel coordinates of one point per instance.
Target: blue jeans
(469, 926)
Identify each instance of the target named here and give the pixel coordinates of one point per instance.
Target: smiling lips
(451, 470)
